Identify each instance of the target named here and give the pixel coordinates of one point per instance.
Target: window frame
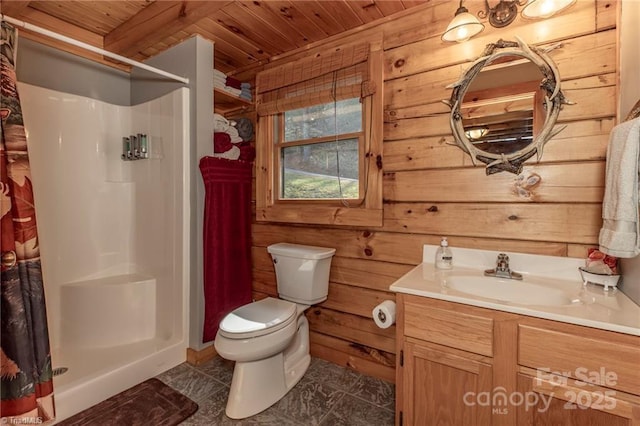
(367, 211)
(280, 145)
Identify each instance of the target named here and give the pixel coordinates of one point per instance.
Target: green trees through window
(320, 159)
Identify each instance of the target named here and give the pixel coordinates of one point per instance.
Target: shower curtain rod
(91, 48)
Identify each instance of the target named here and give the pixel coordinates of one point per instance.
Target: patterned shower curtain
(26, 376)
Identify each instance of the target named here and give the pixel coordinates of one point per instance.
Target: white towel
(233, 133)
(232, 154)
(218, 73)
(234, 92)
(620, 233)
(220, 124)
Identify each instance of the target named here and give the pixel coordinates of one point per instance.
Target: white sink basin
(512, 291)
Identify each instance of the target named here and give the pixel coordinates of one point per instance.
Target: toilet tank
(302, 272)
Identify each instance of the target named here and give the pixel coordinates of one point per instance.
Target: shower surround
(113, 238)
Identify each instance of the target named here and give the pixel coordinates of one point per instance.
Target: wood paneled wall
(431, 188)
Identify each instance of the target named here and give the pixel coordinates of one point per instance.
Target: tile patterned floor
(328, 395)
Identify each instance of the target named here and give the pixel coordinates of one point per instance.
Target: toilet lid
(258, 318)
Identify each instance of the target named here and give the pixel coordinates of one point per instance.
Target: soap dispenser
(444, 257)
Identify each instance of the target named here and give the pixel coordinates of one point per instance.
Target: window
(319, 151)
(318, 144)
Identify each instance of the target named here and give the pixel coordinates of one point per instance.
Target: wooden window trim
(369, 212)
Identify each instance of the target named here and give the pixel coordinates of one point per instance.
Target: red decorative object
(611, 261)
(226, 239)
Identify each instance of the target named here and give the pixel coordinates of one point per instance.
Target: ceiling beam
(156, 22)
(13, 8)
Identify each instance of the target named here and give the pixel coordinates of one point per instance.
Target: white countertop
(590, 305)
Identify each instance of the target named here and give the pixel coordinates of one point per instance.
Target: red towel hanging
(226, 238)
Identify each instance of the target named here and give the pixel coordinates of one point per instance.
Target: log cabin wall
(431, 189)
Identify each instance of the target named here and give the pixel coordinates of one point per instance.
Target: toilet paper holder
(382, 316)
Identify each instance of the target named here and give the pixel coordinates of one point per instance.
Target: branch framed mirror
(506, 104)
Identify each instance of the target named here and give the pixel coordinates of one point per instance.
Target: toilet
(269, 339)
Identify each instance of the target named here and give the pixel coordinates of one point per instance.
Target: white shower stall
(114, 238)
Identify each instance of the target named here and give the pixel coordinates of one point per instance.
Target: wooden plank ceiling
(245, 32)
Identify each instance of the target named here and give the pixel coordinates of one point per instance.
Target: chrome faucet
(502, 269)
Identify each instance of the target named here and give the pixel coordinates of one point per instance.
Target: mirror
(504, 107)
(498, 109)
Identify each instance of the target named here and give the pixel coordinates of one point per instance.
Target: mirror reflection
(505, 106)
(498, 110)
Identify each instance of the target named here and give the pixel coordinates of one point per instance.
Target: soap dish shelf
(608, 281)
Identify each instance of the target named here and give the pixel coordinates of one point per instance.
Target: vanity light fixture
(463, 26)
(537, 9)
(503, 13)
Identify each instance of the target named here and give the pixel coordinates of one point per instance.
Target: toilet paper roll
(384, 315)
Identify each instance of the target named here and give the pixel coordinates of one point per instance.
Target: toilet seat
(258, 318)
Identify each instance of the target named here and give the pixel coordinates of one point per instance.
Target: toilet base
(248, 394)
(257, 385)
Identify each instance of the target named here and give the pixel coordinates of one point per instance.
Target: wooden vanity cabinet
(434, 370)
(451, 358)
(574, 403)
(464, 365)
(579, 375)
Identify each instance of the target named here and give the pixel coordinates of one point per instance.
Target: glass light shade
(463, 26)
(540, 9)
(476, 133)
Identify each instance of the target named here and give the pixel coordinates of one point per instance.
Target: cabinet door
(567, 402)
(442, 387)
